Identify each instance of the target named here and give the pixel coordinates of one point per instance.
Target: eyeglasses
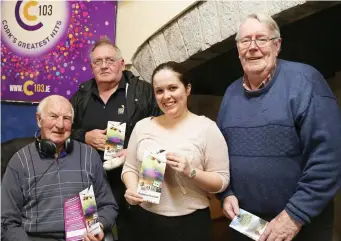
(260, 42)
(108, 61)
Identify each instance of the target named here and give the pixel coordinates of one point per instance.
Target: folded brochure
(151, 176)
(80, 215)
(249, 224)
(115, 139)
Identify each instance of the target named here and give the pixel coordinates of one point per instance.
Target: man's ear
(38, 118)
(278, 45)
(123, 64)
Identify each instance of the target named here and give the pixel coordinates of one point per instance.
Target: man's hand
(281, 228)
(231, 207)
(91, 237)
(96, 138)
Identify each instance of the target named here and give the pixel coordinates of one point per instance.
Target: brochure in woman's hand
(249, 224)
(151, 176)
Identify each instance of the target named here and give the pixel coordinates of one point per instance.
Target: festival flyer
(74, 219)
(249, 224)
(115, 139)
(80, 215)
(89, 208)
(151, 176)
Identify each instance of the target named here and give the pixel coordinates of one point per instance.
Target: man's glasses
(108, 61)
(260, 42)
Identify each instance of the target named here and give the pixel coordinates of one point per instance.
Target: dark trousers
(124, 221)
(320, 229)
(148, 226)
(125, 224)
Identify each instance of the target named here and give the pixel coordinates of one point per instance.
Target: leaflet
(249, 224)
(115, 139)
(80, 215)
(151, 176)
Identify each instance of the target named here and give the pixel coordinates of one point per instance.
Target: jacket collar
(121, 85)
(131, 101)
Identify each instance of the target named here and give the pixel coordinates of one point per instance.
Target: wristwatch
(192, 173)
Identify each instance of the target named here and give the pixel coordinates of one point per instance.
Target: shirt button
(104, 107)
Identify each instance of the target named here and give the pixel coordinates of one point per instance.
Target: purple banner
(46, 45)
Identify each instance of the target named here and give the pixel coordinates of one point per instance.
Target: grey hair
(263, 18)
(106, 41)
(42, 105)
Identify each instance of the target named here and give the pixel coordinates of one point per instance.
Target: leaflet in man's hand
(249, 224)
(151, 176)
(89, 207)
(115, 139)
(80, 215)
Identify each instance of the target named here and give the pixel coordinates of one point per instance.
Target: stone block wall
(205, 25)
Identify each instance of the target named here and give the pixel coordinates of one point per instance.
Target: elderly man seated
(44, 174)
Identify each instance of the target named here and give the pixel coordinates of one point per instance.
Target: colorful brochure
(151, 176)
(80, 215)
(115, 139)
(249, 224)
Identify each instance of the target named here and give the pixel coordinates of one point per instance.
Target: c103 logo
(44, 22)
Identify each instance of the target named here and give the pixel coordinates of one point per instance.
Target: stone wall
(196, 35)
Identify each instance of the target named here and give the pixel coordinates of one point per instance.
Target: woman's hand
(132, 197)
(178, 164)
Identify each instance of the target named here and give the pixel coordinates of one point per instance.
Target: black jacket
(140, 103)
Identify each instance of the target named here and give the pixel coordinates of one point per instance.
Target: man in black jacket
(114, 94)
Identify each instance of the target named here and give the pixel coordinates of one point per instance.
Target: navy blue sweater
(284, 143)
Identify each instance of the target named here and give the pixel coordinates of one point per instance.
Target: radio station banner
(46, 45)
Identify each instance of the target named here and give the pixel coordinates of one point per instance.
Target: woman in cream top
(197, 163)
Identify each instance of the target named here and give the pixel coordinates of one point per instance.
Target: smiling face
(170, 93)
(255, 59)
(111, 67)
(55, 120)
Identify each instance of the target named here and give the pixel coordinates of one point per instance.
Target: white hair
(42, 105)
(263, 18)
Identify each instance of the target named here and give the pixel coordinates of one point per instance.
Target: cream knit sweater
(199, 140)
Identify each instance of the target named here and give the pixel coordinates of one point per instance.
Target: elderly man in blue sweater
(282, 124)
(44, 174)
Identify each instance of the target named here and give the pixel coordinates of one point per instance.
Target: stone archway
(208, 28)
